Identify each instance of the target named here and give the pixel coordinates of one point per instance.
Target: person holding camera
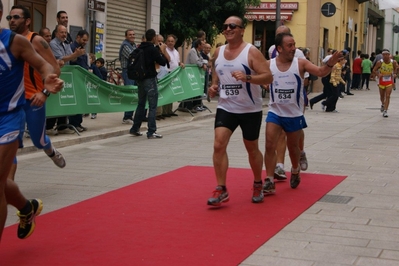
(147, 88)
(337, 83)
(80, 42)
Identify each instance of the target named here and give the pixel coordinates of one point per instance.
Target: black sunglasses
(231, 26)
(16, 17)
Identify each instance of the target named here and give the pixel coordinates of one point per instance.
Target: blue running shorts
(12, 126)
(289, 124)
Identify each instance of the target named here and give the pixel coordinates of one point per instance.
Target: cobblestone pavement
(357, 142)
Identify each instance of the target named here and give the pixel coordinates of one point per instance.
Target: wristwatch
(46, 92)
(249, 77)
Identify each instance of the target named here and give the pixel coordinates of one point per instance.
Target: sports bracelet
(46, 92)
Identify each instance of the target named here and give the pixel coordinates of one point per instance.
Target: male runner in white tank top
(279, 172)
(286, 105)
(239, 69)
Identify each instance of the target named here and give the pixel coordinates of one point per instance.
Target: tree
(185, 18)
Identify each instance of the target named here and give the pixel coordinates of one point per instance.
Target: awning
(265, 15)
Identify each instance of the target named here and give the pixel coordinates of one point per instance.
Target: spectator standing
(62, 51)
(127, 47)
(366, 71)
(348, 70)
(12, 121)
(173, 64)
(194, 57)
(357, 72)
(240, 69)
(147, 88)
(337, 82)
(62, 19)
(83, 61)
(96, 71)
(162, 72)
(327, 90)
(377, 58)
(46, 34)
(372, 57)
(396, 57)
(206, 54)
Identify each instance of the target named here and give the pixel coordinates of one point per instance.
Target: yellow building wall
(308, 25)
(338, 25)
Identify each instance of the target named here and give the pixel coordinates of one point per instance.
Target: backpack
(136, 70)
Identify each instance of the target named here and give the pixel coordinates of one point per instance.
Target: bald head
(283, 29)
(61, 32)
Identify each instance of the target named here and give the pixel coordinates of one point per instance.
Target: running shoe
(385, 114)
(51, 132)
(382, 108)
(295, 180)
(269, 187)
(303, 161)
(279, 173)
(127, 121)
(135, 133)
(58, 159)
(257, 196)
(219, 196)
(155, 136)
(27, 221)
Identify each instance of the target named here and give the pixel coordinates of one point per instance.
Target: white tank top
(286, 91)
(236, 96)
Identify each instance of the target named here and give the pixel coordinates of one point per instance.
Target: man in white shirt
(173, 64)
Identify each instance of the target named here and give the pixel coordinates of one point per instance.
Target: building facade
(114, 16)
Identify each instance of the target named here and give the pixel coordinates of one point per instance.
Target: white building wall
(388, 33)
(154, 13)
(395, 43)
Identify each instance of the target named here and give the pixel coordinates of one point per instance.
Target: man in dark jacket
(82, 39)
(147, 88)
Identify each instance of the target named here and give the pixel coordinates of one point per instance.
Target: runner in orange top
(35, 93)
(388, 70)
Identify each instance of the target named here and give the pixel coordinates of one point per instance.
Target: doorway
(264, 33)
(37, 10)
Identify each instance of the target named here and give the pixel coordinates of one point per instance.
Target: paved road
(357, 142)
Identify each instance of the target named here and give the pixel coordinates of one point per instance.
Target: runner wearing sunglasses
(240, 69)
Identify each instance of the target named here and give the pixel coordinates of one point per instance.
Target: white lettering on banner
(90, 86)
(68, 85)
(67, 96)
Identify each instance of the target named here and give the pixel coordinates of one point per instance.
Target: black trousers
(50, 122)
(356, 81)
(331, 102)
(326, 91)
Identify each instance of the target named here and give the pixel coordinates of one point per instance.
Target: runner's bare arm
(261, 66)
(43, 49)
(213, 89)
(22, 49)
(324, 70)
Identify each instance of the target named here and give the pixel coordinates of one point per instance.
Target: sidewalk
(108, 125)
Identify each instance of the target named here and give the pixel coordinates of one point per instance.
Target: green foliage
(185, 18)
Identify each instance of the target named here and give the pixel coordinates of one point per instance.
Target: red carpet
(164, 221)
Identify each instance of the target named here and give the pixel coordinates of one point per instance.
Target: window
(37, 9)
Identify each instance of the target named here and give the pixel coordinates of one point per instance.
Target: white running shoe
(58, 159)
(385, 113)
